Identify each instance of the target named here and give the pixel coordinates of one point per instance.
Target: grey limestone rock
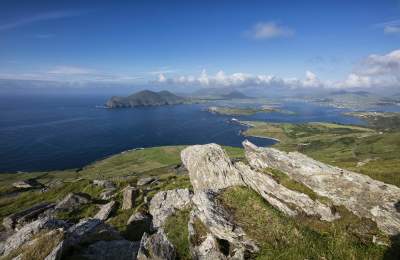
(156, 247)
(360, 194)
(106, 210)
(165, 203)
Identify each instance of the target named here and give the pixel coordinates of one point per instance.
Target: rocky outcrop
(208, 249)
(91, 230)
(138, 224)
(211, 171)
(116, 249)
(165, 203)
(288, 201)
(145, 180)
(107, 193)
(87, 231)
(73, 201)
(104, 184)
(360, 194)
(105, 210)
(203, 245)
(156, 246)
(210, 167)
(26, 233)
(129, 197)
(27, 184)
(220, 224)
(22, 217)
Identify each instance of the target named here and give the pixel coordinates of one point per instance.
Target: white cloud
(54, 15)
(392, 29)
(161, 78)
(68, 70)
(72, 74)
(378, 65)
(221, 79)
(311, 80)
(389, 27)
(375, 71)
(269, 30)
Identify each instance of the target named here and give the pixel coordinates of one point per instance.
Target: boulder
(203, 245)
(129, 197)
(145, 180)
(138, 224)
(287, 201)
(87, 231)
(208, 249)
(107, 193)
(360, 194)
(106, 210)
(220, 224)
(27, 184)
(27, 215)
(165, 203)
(73, 201)
(116, 249)
(104, 184)
(90, 230)
(26, 233)
(156, 246)
(210, 167)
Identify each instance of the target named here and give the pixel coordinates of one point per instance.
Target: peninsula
(145, 98)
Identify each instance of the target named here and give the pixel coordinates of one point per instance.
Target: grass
(85, 211)
(282, 237)
(384, 121)
(26, 199)
(200, 232)
(176, 228)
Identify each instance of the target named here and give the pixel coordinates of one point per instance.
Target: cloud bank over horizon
(375, 71)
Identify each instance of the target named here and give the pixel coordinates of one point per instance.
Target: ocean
(40, 133)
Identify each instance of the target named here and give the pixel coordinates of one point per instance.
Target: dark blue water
(47, 133)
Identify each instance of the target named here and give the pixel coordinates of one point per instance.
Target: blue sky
(202, 42)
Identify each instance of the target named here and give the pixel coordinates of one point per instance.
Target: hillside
(213, 202)
(145, 98)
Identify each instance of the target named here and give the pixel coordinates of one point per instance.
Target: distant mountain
(344, 92)
(235, 95)
(145, 98)
(220, 93)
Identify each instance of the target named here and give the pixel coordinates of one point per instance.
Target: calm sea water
(47, 133)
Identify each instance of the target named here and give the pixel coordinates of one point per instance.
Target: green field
(237, 111)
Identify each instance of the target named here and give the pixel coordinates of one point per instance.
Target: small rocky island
(145, 98)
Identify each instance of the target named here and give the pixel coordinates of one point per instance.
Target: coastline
(248, 125)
